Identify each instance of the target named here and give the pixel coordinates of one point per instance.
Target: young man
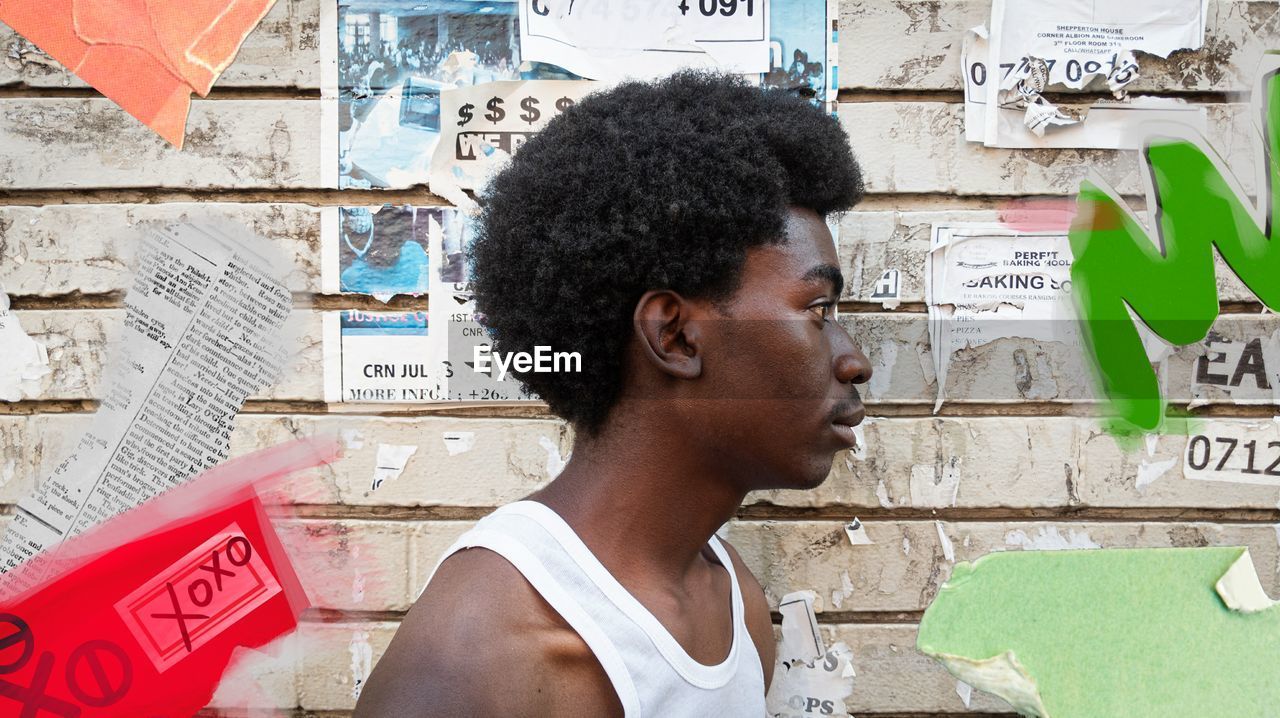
(673, 234)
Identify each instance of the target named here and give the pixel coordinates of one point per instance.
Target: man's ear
(668, 337)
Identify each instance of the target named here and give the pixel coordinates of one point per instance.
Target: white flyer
(1105, 124)
(1083, 39)
(380, 357)
(986, 281)
(613, 39)
(406, 356)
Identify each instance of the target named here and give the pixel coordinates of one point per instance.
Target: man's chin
(809, 480)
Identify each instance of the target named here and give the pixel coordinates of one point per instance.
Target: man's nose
(851, 365)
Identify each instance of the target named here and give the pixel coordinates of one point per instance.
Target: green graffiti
(1168, 280)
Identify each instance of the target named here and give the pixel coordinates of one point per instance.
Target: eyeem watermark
(541, 361)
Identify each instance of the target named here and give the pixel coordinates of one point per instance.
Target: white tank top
(652, 675)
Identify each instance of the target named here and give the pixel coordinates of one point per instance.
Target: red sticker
(197, 597)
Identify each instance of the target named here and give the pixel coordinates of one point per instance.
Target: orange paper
(146, 55)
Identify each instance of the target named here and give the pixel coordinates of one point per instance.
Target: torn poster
(201, 334)
(24, 363)
(1033, 48)
(402, 357)
(380, 357)
(802, 49)
(809, 678)
(381, 251)
(644, 39)
(1241, 370)
(985, 282)
(1158, 632)
(146, 57)
(140, 615)
(472, 372)
(384, 64)
(1240, 451)
(485, 124)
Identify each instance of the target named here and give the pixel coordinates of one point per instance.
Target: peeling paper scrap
(948, 550)
(1048, 538)
(965, 691)
(24, 362)
(555, 462)
(813, 690)
(458, 442)
(390, 463)
(1042, 114)
(857, 533)
(146, 57)
(1077, 633)
(801, 639)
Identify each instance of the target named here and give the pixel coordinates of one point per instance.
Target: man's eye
(825, 310)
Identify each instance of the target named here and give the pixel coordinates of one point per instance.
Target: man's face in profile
(784, 367)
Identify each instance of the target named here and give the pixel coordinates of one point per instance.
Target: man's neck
(643, 501)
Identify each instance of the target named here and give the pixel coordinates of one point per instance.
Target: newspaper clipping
(201, 334)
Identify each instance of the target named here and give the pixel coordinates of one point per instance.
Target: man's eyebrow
(826, 272)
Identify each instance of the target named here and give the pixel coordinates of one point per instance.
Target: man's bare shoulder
(756, 607)
(481, 641)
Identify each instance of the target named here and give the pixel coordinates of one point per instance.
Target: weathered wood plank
(909, 463)
(90, 248)
(920, 147)
(67, 143)
(1008, 370)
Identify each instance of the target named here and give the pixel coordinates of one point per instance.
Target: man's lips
(844, 423)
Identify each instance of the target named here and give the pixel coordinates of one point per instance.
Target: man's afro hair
(661, 185)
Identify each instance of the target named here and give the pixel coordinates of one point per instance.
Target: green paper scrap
(1117, 632)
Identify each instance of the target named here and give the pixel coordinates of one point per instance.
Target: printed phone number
(1201, 452)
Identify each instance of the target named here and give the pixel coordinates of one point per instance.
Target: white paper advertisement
(613, 39)
(1026, 120)
(1081, 39)
(986, 281)
(412, 356)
